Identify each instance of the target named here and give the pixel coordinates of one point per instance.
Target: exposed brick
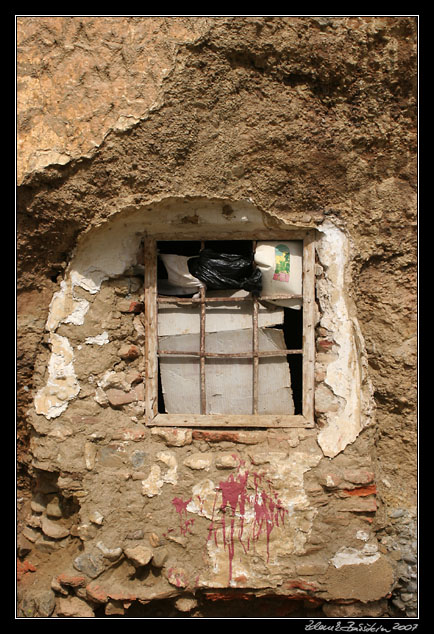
(136, 307)
(119, 397)
(24, 567)
(70, 579)
(300, 584)
(361, 491)
(246, 438)
(97, 592)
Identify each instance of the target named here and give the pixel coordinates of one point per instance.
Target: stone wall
(303, 121)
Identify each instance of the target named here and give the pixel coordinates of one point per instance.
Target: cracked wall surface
(237, 124)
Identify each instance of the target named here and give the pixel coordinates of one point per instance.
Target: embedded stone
(74, 607)
(109, 553)
(359, 476)
(185, 604)
(123, 305)
(159, 557)
(39, 503)
(24, 545)
(129, 352)
(56, 587)
(227, 461)
(34, 521)
(137, 534)
(47, 544)
(154, 540)
(46, 602)
(177, 577)
(137, 458)
(90, 452)
(139, 391)
(30, 534)
(90, 564)
(139, 555)
(114, 607)
(53, 508)
(118, 398)
(96, 518)
(199, 461)
(86, 532)
(133, 376)
(53, 529)
(325, 400)
(330, 479)
(174, 437)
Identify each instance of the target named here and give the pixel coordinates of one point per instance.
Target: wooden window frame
(254, 420)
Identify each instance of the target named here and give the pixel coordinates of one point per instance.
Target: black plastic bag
(225, 270)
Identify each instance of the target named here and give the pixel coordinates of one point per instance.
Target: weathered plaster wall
(308, 121)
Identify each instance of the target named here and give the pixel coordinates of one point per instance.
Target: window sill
(231, 420)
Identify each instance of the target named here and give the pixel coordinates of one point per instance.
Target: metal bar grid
(151, 303)
(255, 354)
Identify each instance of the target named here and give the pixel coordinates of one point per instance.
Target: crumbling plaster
(109, 250)
(347, 375)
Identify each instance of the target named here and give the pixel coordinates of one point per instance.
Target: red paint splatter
(267, 508)
(181, 509)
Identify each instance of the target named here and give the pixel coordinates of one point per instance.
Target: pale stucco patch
(62, 385)
(258, 547)
(346, 375)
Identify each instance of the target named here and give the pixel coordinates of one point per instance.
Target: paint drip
(181, 509)
(236, 503)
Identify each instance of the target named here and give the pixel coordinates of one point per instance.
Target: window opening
(297, 330)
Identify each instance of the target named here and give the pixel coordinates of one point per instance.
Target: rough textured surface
(308, 120)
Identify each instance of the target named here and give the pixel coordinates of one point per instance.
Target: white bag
(281, 264)
(177, 272)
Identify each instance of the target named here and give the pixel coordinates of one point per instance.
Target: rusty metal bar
(202, 351)
(229, 355)
(187, 300)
